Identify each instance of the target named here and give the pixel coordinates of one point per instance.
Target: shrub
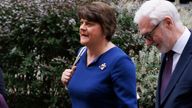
(38, 40)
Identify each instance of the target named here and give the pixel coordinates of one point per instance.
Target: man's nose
(149, 42)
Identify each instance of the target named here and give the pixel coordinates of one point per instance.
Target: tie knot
(170, 53)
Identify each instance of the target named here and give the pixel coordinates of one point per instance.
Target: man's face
(156, 35)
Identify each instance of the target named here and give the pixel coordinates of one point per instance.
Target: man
(160, 25)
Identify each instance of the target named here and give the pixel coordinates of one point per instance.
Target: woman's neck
(94, 51)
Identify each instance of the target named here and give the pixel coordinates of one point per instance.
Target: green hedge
(38, 40)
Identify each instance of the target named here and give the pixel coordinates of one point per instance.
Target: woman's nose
(82, 26)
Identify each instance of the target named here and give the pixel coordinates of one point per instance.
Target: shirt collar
(182, 41)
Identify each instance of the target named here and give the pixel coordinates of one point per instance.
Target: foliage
(38, 40)
(126, 36)
(148, 63)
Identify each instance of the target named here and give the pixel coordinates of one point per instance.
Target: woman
(104, 77)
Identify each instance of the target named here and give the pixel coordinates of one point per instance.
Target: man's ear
(168, 22)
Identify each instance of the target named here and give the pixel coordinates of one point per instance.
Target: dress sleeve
(124, 82)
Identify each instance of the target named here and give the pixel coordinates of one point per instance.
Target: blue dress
(108, 82)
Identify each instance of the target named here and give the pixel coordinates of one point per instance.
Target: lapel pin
(103, 66)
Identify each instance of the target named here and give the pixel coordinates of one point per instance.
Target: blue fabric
(2, 84)
(3, 103)
(108, 82)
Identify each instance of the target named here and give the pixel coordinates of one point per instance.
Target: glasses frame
(149, 35)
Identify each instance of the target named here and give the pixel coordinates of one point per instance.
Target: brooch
(103, 66)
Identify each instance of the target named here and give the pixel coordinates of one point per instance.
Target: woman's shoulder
(117, 52)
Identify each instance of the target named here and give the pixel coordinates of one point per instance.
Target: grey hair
(156, 10)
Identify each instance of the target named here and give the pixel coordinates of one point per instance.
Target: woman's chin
(83, 43)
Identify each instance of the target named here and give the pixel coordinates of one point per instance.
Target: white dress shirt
(179, 47)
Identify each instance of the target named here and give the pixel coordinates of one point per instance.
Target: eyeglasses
(149, 35)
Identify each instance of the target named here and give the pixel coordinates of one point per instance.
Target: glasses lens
(147, 36)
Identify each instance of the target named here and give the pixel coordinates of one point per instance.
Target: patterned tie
(167, 72)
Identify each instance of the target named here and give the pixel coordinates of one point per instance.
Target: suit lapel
(185, 57)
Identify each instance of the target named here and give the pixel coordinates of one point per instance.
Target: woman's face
(91, 33)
